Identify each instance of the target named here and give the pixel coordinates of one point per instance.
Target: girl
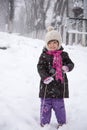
(52, 67)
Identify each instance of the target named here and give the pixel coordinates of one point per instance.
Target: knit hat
(52, 34)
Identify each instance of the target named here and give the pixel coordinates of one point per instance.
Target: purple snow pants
(46, 109)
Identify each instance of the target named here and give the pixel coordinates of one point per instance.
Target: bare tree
(36, 14)
(11, 16)
(4, 14)
(41, 8)
(60, 7)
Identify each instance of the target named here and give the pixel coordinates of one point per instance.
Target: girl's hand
(48, 80)
(65, 69)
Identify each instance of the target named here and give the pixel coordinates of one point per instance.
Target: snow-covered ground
(19, 85)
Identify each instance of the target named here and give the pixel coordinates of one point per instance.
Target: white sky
(19, 85)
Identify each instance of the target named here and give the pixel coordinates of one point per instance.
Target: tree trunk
(11, 16)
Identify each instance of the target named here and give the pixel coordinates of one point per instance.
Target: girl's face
(53, 45)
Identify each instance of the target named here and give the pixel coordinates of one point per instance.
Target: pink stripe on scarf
(57, 63)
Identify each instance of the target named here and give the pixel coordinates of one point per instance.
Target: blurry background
(32, 17)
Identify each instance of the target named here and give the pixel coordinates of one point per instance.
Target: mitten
(65, 68)
(48, 80)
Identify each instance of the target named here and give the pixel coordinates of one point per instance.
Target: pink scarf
(57, 63)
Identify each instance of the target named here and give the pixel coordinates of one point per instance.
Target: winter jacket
(55, 89)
